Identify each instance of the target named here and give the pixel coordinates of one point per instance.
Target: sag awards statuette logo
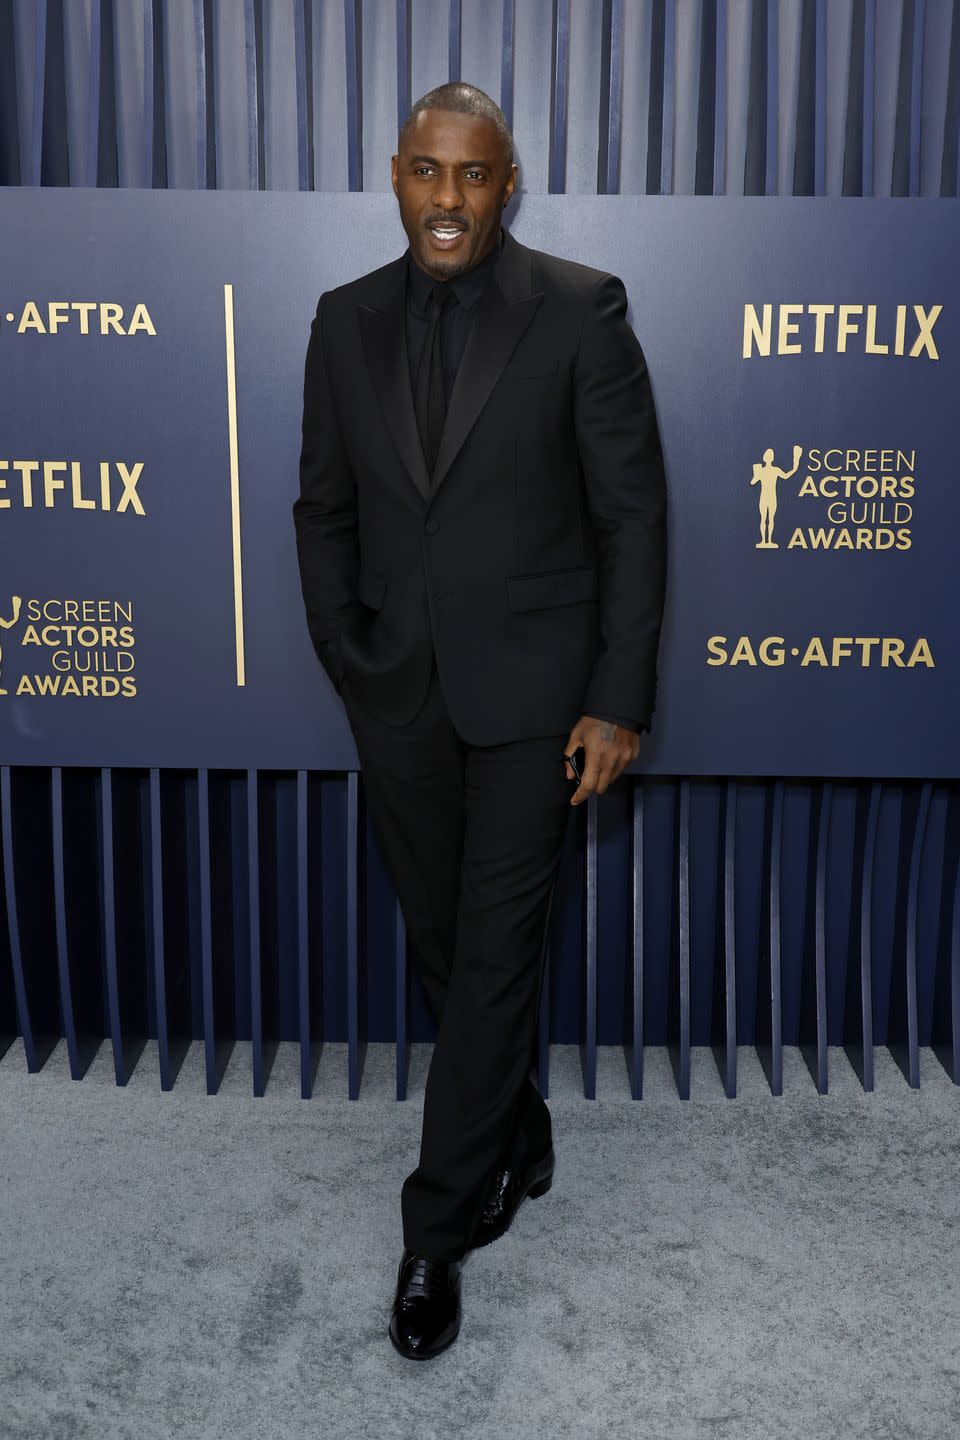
(83, 648)
(861, 499)
(862, 496)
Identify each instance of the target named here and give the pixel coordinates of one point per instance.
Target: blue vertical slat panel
(402, 992)
(588, 1043)
(31, 808)
(356, 1047)
(559, 90)
(729, 934)
(171, 890)
(213, 1073)
(303, 935)
(635, 1049)
(60, 915)
(278, 915)
(77, 855)
(776, 989)
(165, 1053)
(253, 923)
(507, 60)
(944, 1027)
(35, 1053)
(680, 1049)
(769, 1018)
(822, 1076)
(9, 1028)
(108, 922)
(353, 33)
(229, 899)
(219, 917)
(911, 1059)
(952, 1061)
(934, 898)
(141, 903)
(859, 1045)
(317, 872)
(189, 794)
(125, 916)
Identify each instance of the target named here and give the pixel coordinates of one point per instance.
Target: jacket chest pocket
(537, 367)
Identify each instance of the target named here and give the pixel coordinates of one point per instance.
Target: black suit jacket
(535, 563)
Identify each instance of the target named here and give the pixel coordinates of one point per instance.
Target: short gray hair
(464, 99)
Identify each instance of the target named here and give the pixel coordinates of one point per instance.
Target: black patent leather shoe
(425, 1318)
(510, 1189)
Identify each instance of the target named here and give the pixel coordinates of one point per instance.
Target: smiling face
(452, 180)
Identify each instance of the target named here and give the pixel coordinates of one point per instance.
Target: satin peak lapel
(504, 311)
(383, 330)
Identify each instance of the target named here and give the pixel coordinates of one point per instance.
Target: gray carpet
(182, 1265)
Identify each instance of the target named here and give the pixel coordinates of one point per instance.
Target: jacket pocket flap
(551, 587)
(370, 588)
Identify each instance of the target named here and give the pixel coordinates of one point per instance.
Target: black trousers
(472, 838)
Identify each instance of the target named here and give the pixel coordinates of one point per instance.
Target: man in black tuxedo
(481, 533)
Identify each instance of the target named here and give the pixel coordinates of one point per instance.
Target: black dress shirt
(455, 321)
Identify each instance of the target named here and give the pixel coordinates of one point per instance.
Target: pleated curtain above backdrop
(805, 97)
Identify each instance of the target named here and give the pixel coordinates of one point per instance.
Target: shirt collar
(468, 286)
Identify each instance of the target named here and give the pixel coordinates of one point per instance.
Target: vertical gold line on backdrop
(234, 480)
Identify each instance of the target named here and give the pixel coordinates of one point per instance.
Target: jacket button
(431, 527)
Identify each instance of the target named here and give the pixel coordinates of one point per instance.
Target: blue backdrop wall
(250, 903)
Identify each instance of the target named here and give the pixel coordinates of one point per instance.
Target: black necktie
(430, 401)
